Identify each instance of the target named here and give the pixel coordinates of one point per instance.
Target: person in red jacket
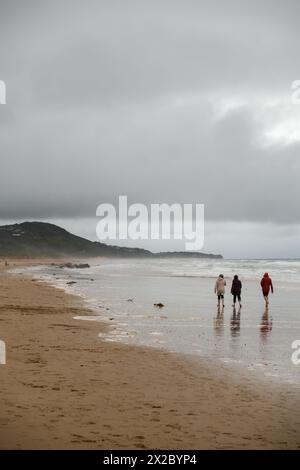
(266, 285)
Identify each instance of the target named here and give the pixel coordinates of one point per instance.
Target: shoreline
(246, 342)
(65, 388)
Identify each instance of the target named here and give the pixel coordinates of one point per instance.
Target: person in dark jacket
(236, 290)
(266, 286)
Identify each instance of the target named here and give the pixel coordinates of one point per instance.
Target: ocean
(122, 293)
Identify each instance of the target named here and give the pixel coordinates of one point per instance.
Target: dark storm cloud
(109, 98)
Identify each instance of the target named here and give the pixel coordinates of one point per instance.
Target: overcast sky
(164, 101)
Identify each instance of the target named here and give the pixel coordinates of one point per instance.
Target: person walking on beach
(220, 290)
(236, 290)
(266, 285)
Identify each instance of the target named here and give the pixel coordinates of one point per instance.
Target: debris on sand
(72, 265)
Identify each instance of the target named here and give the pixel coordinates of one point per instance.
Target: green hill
(40, 239)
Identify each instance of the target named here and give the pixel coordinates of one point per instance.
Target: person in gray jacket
(220, 290)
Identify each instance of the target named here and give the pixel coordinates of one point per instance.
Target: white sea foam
(189, 321)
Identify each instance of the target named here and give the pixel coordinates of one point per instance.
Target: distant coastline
(41, 239)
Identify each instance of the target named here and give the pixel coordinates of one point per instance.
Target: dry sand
(64, 388)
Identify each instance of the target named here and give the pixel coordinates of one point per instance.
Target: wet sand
(64, 388)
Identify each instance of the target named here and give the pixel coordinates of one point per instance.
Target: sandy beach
(65, 388)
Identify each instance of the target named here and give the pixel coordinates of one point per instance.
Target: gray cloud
(165, 101)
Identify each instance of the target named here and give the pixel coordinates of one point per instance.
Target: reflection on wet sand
(219, 322)
(235, 322)
(265, 325)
